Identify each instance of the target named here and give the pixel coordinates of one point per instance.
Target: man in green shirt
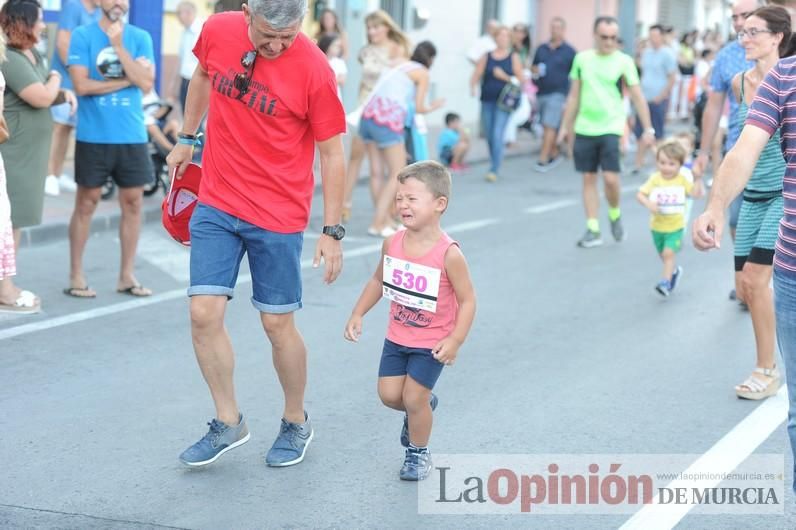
(595, 112)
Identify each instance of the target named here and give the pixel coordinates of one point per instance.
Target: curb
(59, 230)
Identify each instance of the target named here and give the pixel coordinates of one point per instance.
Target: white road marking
(726, 455)
(167, 255)
(174, 294)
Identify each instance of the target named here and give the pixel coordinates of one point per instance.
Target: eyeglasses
(752, 33)
(742, 16)
(608, 37)
(244, 79)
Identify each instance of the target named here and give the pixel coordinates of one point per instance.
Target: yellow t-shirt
(670, 196)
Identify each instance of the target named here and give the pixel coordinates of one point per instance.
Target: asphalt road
(572, 352)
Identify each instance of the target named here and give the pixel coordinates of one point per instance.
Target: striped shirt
(774, 108)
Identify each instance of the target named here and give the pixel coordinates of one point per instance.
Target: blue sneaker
(405, 431)
(291, 443)
(663, 288)
(676, 275)
(218, 440)
(417, 465)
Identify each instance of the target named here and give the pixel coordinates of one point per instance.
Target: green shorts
(672, 240)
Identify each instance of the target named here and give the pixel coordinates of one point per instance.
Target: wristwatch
(650, 130)
(335, 231)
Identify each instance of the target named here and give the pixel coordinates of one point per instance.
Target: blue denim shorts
(419, 363)
(218, 243)
(61, 114)
(383, 137)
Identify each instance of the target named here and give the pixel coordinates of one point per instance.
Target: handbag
(509, 98)
(353, 117)
(5, 134)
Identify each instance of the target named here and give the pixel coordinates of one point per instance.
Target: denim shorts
(61, 114)
(419, 363)
(551, 109)
(218, 243)
(382, 136)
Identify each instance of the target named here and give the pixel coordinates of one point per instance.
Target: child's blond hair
(672, 149)
(433, 174)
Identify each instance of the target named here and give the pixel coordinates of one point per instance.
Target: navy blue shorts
(419, 363)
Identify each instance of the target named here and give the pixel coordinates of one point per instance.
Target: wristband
(187, 136)
(187, 141)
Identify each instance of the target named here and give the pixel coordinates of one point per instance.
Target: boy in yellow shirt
(664, 194)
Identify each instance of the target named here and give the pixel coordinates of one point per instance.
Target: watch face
(339, 232)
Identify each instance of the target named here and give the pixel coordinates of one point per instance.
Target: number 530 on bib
(410, 284)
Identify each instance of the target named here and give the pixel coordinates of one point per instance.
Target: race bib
(410, 284)
(670, 199)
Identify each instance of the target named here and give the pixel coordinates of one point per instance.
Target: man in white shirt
(485, 43)
(186, 13)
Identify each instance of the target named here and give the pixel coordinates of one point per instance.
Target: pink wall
(579, 14)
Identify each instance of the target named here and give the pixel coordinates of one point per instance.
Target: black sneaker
(590, 239)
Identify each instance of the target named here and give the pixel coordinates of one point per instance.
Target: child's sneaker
(676, 275)
(417, 464)
(405, 431)
(663, 288)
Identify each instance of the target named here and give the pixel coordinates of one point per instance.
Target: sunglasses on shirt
(244, 79)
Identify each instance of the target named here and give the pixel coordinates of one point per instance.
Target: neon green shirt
(601, 109)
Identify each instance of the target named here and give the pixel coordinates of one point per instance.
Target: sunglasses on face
(244, 79)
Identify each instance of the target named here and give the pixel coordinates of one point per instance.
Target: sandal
(756, 388)
(26, 303)
(80, 292)
(137, 290)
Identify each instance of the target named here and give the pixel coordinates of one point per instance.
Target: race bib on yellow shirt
(670, 199)
(410, 284)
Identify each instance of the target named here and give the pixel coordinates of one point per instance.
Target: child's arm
(459, 275)
(644, 199)
(371, 294)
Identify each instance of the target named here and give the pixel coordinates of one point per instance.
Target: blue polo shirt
(558, 64)
(73, 15)
(116, 117)
(730, 60)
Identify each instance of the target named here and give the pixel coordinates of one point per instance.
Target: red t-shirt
(257, 162)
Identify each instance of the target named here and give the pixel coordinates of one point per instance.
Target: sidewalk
(57, 210)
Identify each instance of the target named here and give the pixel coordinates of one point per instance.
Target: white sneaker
(51, 186)
(67, 183)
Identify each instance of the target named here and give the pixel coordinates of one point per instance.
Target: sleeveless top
(491, 85)
(766, 181)
(389, 106)
(420, 328)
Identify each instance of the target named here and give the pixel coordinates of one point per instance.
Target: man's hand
(114, 33)
(707, 229)
(698, 191)
(648, 138)
(69, 97)
(353, 329)
(179, 158)
(330, 250)
(446, 350)
(700, 164)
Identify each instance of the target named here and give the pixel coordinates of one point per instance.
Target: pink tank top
(423, 304)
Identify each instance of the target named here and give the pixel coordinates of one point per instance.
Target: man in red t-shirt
(270, 97)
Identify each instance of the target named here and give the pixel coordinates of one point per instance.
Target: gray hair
(279, 14)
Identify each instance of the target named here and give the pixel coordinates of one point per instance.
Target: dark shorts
(129, 165)
(446, 155)
(218, 243)
(657, 117)
(418, 363)
(593, 153)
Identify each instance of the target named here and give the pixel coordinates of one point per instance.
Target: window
(490, 9)
(397, 10)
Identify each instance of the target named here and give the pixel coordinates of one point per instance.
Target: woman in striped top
(766, 38)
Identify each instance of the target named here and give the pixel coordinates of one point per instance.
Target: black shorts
(593, 153)
(129, 165)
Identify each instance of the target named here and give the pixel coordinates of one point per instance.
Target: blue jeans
(785, 306)
(218, 243)
(494, 123)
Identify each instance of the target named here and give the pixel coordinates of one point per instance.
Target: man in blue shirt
(551, 66)
(730, 61)
(74, 13)
(112, 66)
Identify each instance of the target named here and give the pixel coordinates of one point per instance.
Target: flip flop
(136, 290)
(80, 292)
(26, 303)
